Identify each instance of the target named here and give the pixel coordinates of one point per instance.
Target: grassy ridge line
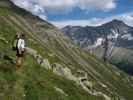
(25, 83)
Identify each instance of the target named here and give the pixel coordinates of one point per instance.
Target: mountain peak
(116, 22)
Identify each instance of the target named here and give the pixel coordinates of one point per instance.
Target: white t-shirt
(21, 44)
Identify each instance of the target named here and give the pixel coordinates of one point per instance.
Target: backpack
(14, 47)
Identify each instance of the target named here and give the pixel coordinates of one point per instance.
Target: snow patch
(98, 42)
(127, 37)
(114, 35)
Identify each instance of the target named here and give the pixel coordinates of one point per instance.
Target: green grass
(36, 83)
(123, 59)
(32, 81)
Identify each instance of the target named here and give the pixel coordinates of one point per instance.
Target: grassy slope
(37, 83)
(123, 58)
(33, 81)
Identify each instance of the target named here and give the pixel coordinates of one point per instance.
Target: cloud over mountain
(61, 6)
(126, 17)
(32, 6)
(58, 5)
(41, 7)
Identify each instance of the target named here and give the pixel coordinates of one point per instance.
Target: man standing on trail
(20, 49)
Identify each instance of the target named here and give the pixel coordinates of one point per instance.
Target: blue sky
(80, 12)
(122, 6)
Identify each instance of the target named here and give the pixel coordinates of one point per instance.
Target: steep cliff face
(53, 68)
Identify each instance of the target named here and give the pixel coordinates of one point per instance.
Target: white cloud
(32, 6)
(63, 5)
(90, 22)
(40, 7)
(104, 5)
(126, 17)
(60, 6)
(57, 6)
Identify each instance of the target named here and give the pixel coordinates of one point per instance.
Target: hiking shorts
(20, 53)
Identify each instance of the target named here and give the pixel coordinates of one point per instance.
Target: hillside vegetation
(53, 68)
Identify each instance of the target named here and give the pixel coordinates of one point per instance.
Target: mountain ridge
(119, 35)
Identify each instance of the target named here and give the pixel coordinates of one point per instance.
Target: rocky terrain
(116, 31)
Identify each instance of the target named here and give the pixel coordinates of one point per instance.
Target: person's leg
(18, 62)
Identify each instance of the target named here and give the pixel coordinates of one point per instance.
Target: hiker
(19, 47)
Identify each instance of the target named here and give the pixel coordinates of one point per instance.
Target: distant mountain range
(88, 36)
(119, 35)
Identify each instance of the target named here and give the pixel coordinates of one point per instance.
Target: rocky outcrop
(40, 60)
(81, 80)
(63, 71)
(67, 73)
(60, 91)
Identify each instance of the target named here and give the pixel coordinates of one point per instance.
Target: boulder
(31, 51)
(63, 71)
(60, 91)
(45, 63)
